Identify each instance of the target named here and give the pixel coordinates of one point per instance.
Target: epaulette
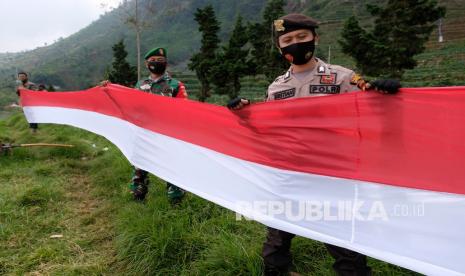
(285, 77)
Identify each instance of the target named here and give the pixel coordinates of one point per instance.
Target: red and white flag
(379, 174)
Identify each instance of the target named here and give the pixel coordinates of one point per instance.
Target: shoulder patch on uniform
(359, 82)
(281, 95)
(355, 79)
(321, 69)
(329, 79)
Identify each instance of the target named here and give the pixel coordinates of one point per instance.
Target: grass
(81, 194)
(47, 192)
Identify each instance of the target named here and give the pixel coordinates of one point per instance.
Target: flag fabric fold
(378, 174)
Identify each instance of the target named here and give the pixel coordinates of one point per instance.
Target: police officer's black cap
(293, 22)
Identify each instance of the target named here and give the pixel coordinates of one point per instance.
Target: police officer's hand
(238, 103)
(104, 83)
(385, 86)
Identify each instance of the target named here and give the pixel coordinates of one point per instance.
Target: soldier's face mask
(157, 67)
(299, 53)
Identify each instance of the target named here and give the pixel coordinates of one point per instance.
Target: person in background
(24, 83)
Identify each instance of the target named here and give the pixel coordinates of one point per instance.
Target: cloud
(28, 24)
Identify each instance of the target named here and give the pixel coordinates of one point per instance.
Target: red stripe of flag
(414, 139)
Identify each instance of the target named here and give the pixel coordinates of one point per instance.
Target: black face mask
(299, 53)
(157, 67)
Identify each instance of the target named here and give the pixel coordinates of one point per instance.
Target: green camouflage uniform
(165, 86)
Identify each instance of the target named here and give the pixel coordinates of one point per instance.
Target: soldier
(159, 82)
(295, 36)
(24, 83)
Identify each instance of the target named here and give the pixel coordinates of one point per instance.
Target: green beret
(293, 22)
(156, 52)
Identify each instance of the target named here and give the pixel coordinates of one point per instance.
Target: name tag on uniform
(289, 93)
(325, 89)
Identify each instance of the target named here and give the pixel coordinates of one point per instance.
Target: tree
(203, 61)
(139, 21)
(232, 63)
(400, 32)
(121, 72)
(266, 57)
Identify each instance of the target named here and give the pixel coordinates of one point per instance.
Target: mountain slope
(80, 60)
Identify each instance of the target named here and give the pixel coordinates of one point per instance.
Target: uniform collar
(320, 69)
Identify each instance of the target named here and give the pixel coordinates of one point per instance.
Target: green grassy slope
(81, 193)
(50, 191)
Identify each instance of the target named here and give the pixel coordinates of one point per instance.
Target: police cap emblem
(279, 25)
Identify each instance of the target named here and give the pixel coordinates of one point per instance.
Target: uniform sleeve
(278, 85)
(269, 93)
(349, 83)
(182, 93)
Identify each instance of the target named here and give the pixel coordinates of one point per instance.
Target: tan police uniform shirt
(324, 79)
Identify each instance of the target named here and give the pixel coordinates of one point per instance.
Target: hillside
(80, 60)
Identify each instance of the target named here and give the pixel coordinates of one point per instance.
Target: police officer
(158, 82)
(295, 36)
(24, 83)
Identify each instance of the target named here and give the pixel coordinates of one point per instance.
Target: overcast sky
(27, 24)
